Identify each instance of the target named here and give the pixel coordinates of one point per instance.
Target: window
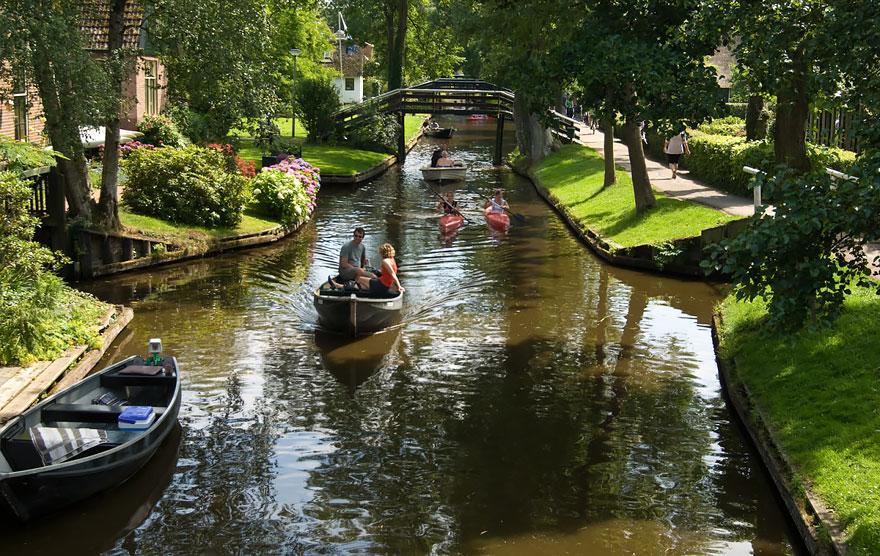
(328, 55)
(20, 110)
(151, 87)
(349, 83)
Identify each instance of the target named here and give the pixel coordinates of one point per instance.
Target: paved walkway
(683, 187)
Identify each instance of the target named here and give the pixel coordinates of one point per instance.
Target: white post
(757, 188)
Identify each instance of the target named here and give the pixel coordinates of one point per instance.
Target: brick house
(144, 88)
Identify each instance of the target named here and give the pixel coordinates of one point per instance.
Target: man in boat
(437, 155)
(444, 161)
(353, 259)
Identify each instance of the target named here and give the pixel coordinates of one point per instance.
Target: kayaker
(387, 282)
(449, 205)
(353, 258)
(498, 204)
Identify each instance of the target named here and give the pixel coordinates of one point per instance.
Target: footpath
(683, 187)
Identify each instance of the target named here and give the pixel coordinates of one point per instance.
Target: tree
(645, 62)
(42, 42)
(218, 58)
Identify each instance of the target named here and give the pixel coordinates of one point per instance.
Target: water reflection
(532, 399)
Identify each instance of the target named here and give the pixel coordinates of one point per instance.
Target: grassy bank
(154, 227)
(818, 390)
(574, 176)
(331, 159)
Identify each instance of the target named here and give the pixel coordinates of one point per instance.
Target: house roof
(353, 58)
(95, 23)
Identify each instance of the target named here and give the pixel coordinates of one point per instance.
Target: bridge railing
(563, 127)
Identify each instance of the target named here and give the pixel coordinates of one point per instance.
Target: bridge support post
(401, 138)
(499, 139)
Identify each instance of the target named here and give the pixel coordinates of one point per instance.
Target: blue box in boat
(136, 413)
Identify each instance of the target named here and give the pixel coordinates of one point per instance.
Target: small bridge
(447, 96)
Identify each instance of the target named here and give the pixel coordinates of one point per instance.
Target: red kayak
(496, 220)
(450, 222)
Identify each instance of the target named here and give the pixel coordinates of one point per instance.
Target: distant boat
(480, 117)
(75, 444)
(444, 173)
(496, 220)
(353, 312)
(450, 222)
(440, 132)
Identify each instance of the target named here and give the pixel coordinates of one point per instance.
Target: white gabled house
(350, 84)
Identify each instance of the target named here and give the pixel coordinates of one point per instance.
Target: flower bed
(287, 190)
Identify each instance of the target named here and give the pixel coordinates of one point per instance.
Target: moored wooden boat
(444, 173)
(73, 444)
(496, 220)
(440, 132)
(353, 312)
(450, 222)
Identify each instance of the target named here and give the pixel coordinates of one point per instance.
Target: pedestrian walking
(675, 147)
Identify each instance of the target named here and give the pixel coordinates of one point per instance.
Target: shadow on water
(93, 526)
(352, 361)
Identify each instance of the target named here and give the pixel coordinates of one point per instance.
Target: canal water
(532, 401)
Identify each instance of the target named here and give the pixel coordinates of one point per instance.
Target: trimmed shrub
(316, 102)
(192, 185)
(287, 191)
(732, 126)
(160, 131)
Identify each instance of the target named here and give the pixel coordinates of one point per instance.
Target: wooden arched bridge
(447, 96)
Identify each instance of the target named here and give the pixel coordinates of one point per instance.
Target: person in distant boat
(498, 204)
(449, 205)
(444, 161)
(387, 282)
(437, 155)
(433, 125)
(353, 259)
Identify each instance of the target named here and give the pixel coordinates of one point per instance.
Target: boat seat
(113, 380)
(85, 413)
(360, 295)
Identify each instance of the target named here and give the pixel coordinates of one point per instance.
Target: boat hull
(27, 493)
(497, 220)
(354, 315)
(442, 133)
(450, 173)
(450, 222)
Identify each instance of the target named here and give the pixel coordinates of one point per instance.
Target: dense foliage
(39, 315)
(316, 102)
(804, 260)
(287, 191)
(20, 156)
(378, 134)
(192, 185)
(160, 131)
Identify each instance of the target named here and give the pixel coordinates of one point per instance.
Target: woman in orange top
(387, 282)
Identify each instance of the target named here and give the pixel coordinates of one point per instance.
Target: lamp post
(293, 52)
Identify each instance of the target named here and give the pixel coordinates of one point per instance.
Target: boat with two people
(88, 437)
(434, 130)
(443, 168)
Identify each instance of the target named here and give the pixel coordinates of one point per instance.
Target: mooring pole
(499, 139)
(401, 138)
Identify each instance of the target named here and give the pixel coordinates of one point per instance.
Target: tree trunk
(64, 136)
(532, 138)
(644, 196)
(397, 46)
(107, 214)
(608, 130)
(792, 105)
(756, 119)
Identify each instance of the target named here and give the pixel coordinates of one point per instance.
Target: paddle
(445, 202)
(519, 217)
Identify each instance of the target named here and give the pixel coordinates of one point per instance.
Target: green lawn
(574, 175)
(333, 159)
(283, 126)
(819, 390)
(155, 227)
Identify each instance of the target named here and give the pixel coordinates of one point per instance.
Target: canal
(533, 400)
